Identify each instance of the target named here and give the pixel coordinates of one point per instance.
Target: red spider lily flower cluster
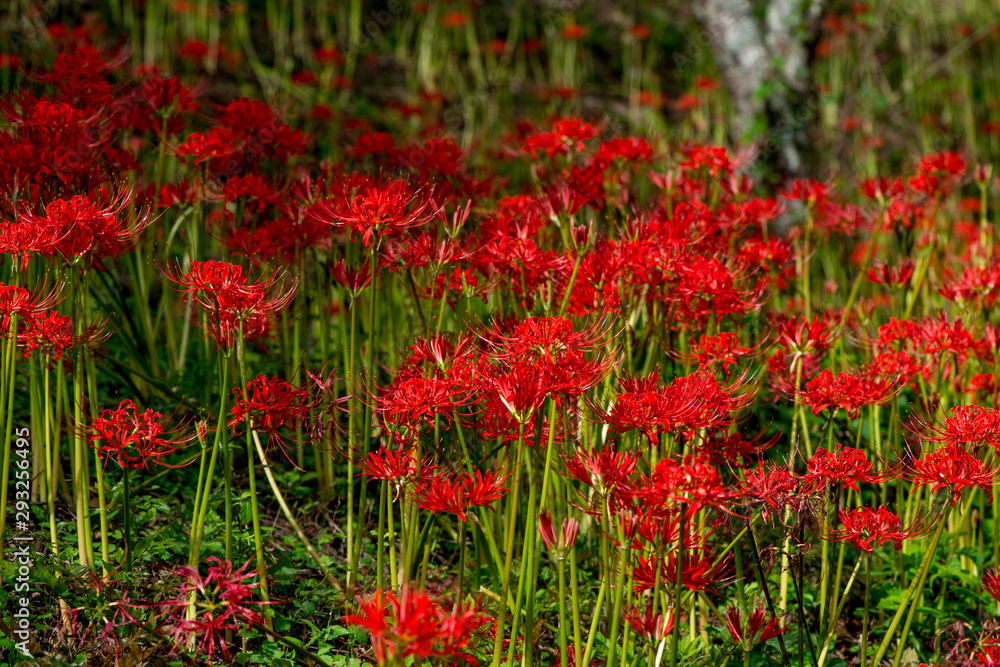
(754, 630)
(687, 405)
(534, 359)
(223, 600)
(770, 488)
(77, 229)
(954, 468)
(991, 583)
(413, 624)
(379, 209)
(865, 528)
(566, 538)
(651, 627)
(457, 493)
(693, 483)
(134, 439)
(233, 304)
(847, 466)
(26, 305)
(271, 404)
(848, 391)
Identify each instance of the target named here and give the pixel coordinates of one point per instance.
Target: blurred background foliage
(886, 79)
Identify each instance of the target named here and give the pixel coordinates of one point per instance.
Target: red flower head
(770, 487)
(380, 209)
(953, 467)
(754, 630)
(991, 583)
(399, 467)
(457, 494)
(693, 482)
(231, 301)
(50, 333)
(848, 391)
(810, 191)
(865, 528)
(561, 543)
(651, 627)
(270, 404)
(412, 624)
(223, 598)
(723, 350)
(606, 471)
(969, 425)
(132, 438)
(82, 228)
(26, 304)
(844, 465)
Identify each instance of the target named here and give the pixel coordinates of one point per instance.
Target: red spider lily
(270, 404)
(223, 599)
(521, 389)
(713, 158)
(991, 583)
(890, 276)
(26, 304)
(699, 571)
(134, 439)
(952, 467)
(881, 188)
(82, 227)
(558, 544)
(232, 303)
(567, 135)
(865, 528)
(220, 286)
(844, 465)
(978, 285)
(412, 624)
(227, 328)
(969, 425)
(810, 191)
(51, 334)
(543, 339)
(693, 483)
(938, 173)
(735, 450)
(460, 492)
(379, 209)
(770, 487)
(688, 404)
(416, 401)
(754, 630)
(803, 336)
(724, 350)
(399, 467)
(651, 627)
(848, 391)
(605, 471)
(26, 237)
(353, 279)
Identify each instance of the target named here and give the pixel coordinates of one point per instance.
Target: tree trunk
(765, 68)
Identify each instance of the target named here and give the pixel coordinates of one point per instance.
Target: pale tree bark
(765, 67)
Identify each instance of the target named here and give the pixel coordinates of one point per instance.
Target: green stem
(678, 588)
(512, 499)
(915, 585)
(367, 433)
(127, 513)
(258, 539)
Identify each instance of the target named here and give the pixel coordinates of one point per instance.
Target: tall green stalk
(258, 539)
